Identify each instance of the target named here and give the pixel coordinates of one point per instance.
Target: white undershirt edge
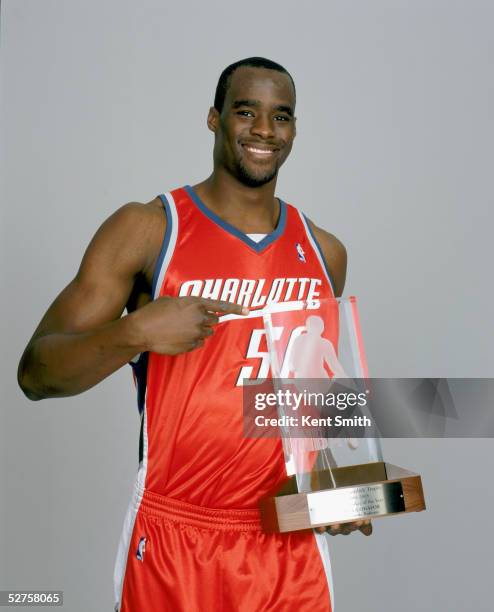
(256, 237)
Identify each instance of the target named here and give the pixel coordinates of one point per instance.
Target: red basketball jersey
(193, 444)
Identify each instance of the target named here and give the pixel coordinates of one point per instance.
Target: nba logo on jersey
(141, 547)
(300, 252)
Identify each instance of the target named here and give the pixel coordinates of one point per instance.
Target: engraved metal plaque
(353, 503)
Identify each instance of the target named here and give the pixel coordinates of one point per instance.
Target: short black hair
(254, 62)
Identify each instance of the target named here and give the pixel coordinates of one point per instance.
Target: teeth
(261, 151)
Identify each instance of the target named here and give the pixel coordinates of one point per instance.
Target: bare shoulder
(138, 219)
(335, 256)
(133, 233)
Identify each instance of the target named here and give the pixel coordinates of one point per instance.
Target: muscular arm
(82, 339)
(335, 256)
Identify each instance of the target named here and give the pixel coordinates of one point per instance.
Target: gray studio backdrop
(105, 102)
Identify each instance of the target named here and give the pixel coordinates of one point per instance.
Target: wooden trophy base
(342, 495)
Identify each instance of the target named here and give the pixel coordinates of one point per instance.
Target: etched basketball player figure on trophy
(310, 352)
(316, 351)
(309, 355)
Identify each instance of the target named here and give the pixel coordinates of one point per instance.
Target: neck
(250, 209)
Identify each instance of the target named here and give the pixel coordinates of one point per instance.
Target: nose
(262, 126)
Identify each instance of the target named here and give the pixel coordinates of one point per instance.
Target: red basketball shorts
(184, 558)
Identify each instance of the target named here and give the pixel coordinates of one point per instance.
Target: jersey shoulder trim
(317, 249)
(169, 242)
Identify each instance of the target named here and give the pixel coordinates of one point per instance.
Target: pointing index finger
(224, 307)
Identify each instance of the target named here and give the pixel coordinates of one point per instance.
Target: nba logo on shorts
(300, 252)
(141, 547)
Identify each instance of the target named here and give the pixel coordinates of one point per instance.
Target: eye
(282, 118)
(245, 113)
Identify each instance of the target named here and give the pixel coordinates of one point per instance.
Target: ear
(294, 126)
(213, 119)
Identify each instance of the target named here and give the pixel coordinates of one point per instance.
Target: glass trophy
(333, 457)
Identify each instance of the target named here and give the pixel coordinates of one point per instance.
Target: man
(192, 539)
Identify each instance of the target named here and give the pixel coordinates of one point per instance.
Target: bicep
(84, 304)
(100, 290)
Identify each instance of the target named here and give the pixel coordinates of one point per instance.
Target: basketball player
(192, 539)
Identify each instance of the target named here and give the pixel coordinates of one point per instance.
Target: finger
(194, 344)
(366, 529)
(320, 529)
(210, 319)
(334, 529)
(224, 307)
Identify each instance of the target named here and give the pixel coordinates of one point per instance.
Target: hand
(365, 526)
(170, 326)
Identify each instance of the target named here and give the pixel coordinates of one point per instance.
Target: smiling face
(255, 130)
